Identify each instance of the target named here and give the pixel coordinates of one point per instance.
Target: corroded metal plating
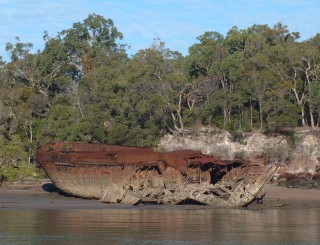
(97, 171)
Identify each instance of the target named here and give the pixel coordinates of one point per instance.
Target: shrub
(14, 164)
(12, 155)
(13, 172)
(242, 155)
(237, 136)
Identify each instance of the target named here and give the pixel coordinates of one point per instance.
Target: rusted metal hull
(133, 174)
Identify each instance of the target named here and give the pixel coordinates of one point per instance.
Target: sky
(176, 22)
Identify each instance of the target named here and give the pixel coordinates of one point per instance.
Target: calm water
(160, 226)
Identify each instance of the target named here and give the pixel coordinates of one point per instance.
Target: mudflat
(284, 197)
(42, 194)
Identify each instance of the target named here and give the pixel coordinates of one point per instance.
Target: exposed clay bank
(296, 151)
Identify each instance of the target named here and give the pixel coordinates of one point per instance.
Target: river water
(154, 225)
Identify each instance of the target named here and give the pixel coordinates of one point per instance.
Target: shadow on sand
(51, 188)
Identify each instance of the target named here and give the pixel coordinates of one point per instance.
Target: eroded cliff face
(296, 151)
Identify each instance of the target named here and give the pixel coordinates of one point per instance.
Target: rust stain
(115, 154)
(90, 170)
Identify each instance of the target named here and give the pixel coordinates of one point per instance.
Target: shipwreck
(132, 175)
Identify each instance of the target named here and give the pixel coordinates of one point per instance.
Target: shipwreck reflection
(161, 225)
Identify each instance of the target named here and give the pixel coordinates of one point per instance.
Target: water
(149, 225)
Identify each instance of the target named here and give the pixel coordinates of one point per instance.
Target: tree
(229, 73)
(87, 42)
(163, 76)
(301, 69)
(204, 54)
(310, 67)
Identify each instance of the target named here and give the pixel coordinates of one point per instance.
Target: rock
(173, 199)
(113, 194)
(130, 199)
(154, 192)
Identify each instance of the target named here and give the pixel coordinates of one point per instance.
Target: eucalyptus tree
(30, 68)
(311, 61)
(235, 40)
(89, 41)
(162, 77)
(205, 53)
(86, 52)
(309, 66)
(104, 93)
(264, 50)
(205, 61)
(27, 94)
(256, 72)
(300, 68)
(228, 71)
(15, 122)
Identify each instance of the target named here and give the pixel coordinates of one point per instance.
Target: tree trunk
(79, 106)
(260, 113)
(224, 117)
(251, 114)
(302, 116)
(311, 117)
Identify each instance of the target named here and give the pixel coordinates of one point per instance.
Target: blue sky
(176, 22)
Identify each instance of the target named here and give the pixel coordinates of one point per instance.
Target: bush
(237, 136)
(13, 172)
(14, 164)
(242, 155)
(276, 154)
(12, 155)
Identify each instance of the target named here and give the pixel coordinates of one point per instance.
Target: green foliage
(11, 173)
(83, 87)
(242, 155)
(12, 155)
(237, 136)
(276, 154)
(14, 162)
(293, 138)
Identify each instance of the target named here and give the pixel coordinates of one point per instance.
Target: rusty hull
(128, 174)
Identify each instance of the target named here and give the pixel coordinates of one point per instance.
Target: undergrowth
(22, 170)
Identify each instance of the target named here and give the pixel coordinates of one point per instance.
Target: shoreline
(43, 195)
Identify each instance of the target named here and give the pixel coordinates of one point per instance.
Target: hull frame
(132, 175)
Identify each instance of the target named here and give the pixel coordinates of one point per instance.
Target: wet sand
(43, 195)
(283, 197)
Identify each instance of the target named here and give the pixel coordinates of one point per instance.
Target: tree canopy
(83, 87)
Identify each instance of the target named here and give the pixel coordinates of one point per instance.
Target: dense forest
(84, 87)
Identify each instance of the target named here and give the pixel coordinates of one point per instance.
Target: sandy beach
(42, 194)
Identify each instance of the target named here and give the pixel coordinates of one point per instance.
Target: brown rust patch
(96, 170)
